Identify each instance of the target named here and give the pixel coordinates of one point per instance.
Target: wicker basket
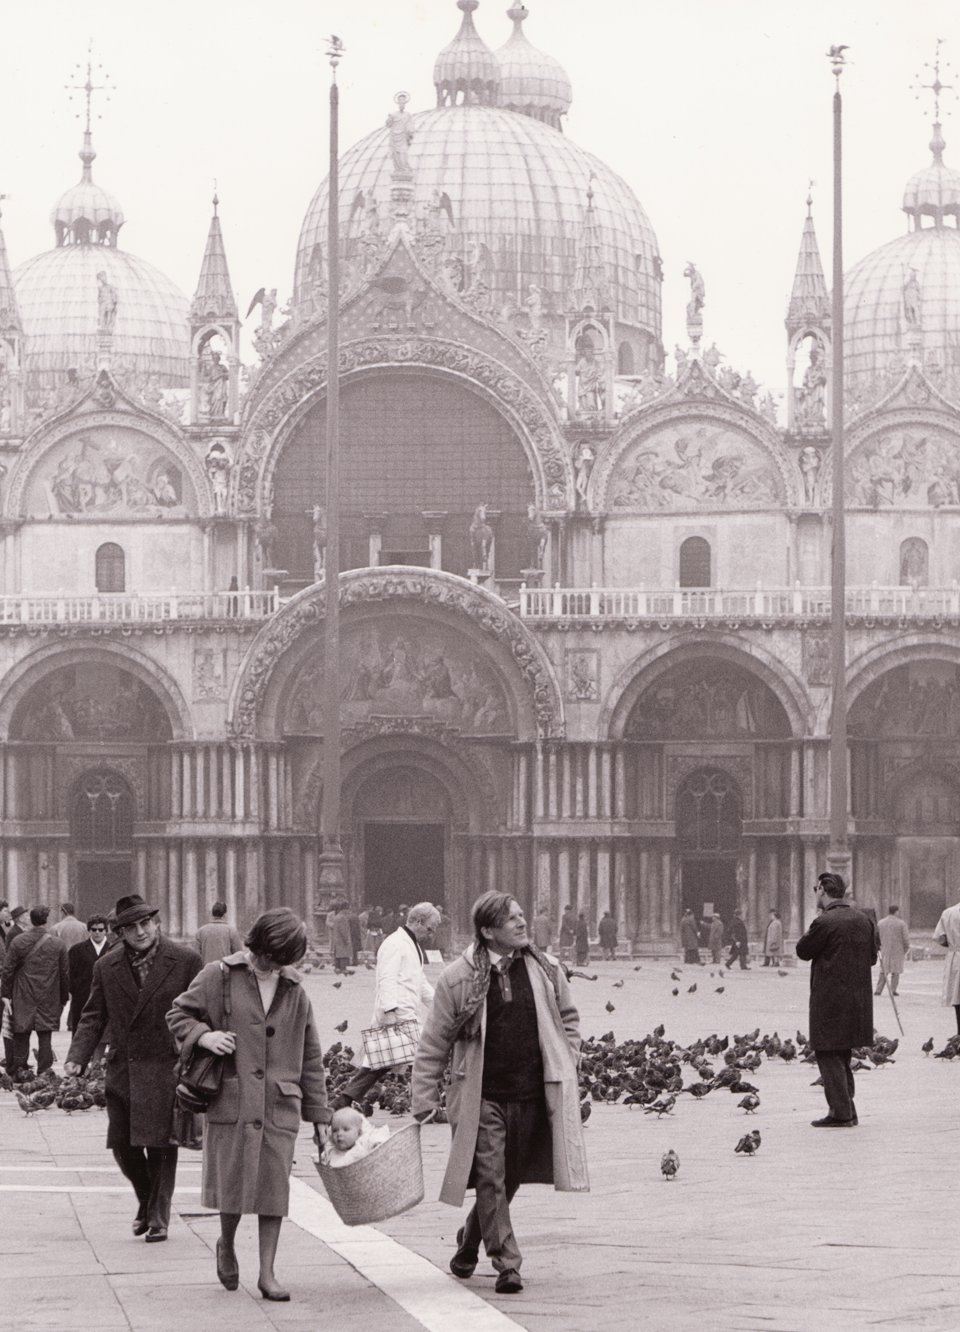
(385, 1183)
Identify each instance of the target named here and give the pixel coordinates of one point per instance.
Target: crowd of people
(501, 1017)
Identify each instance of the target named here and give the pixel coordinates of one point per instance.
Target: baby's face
(345, 1129)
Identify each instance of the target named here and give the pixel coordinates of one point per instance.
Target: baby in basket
(351, 1137)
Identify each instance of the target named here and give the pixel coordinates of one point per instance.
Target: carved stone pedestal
(532, 577)
(480, 576)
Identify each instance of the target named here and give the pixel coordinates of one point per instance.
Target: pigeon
(25, 1104)
(720, 989)
(337, 984)
(750, 1103)
(669, 1164)
(618, 985)
(674, 975)
(586, 1109)
(783, 973)
(749, 1144)
(927, 1046)
(692, 989)
(609, 1007)
(674, 991)
(663, 1105)
(638, 968)
(341, 1026)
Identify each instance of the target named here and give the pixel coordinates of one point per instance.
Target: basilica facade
(585, 600)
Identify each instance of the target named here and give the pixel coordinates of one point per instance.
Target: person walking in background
(607, 931)
(773, 940)
(81, 959)
(217, 938)
(689, 937)
(402, 993)
(341, 939)
(568, 930)
(894, 947)
(542, 933)
(505, 1010)
(132, 990)
(443, 938)
(68, 928)
(715, 938)
(947, 935)
(36, 981)
(841, 942)
(273, 1080)
(356, 936)
(581, 938)
(374, 931)
(739, 943)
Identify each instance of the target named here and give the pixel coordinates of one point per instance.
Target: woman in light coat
(273, 1079)
(773, 940)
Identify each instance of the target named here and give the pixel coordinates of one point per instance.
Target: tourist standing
(542, 933)
(568, 929)
(715, 938)
(341, 938)
(689, 937)
(217, 938)
(607, 932)
(581, 938)
(773, 940)
(739, 943)
(894, 947)
(36, 981)
(947, 935)
(81, 959)
(68, 928)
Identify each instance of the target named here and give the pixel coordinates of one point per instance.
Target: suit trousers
(153, 1173)
(894, 979)
(506, 1135)
(838, 1085)
(21, 1050)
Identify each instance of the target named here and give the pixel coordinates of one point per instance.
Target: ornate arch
(33, 668)
(637, 677)
(433, 592)
(287, 402)
(878, 476)
(721, 412)
(877, 661)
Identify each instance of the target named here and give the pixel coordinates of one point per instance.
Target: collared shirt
(140, 963)
(416, 944)
(501, 963)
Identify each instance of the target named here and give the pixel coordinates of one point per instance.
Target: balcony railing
(718, 603)
(136, 607)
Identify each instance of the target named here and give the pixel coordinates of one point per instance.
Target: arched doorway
(926, 815)
(401, 836)
(101, 833)
(708, 827)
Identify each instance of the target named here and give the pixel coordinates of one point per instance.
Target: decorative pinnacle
(810, 185)
(216, 197)
(335, 52)
(837, 60)
(88, 88)
(935, 86)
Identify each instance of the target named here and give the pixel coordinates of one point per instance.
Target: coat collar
(833, 902)
(240, 960)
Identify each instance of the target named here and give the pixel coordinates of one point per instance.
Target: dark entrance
(706, 881)
(99, 884)
(708, 824)
(403, 862)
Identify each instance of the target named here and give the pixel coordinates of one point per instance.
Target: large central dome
(515, 184)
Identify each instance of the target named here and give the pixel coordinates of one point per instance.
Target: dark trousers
(357, 1086)
(21, 1050)
(506, 1137)
(956, 1009)
(691, 955)
(738, 953)
(153, 1173)
(838, 1086)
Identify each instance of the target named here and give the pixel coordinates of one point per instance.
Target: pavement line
(75, 1188)
(72, 1170)
(435, 1300)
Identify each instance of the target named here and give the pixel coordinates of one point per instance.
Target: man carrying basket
(402, 994)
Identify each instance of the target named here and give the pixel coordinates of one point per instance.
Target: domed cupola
(531, 82)
(86, 214)
(467, 72)
(935, 191)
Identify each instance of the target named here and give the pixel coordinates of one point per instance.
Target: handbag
(388, 1046)
(200, 1074)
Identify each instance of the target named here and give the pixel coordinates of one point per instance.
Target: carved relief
(703, 466)
(71, 767)
(905, 469)
(209, 674)
(706, 699)
(90, 702)
(108, 471)
(919, 698)
(816, 658)
(583, 674)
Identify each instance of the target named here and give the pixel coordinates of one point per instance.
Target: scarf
(477, 994)
(142, 962)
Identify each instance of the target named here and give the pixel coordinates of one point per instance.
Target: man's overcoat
(36, 978)
(841, 942)
(565, 1165)
(894, 943)
(142, 1059)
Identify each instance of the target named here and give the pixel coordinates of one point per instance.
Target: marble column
(606, 768)
(593, 796)
(213, 793)
(308, 865)
(579, 759)
(176, 785)
(239, 782)
(603, 880)
(140, 875)
(200, 765)
(667, 908)
(230, 881)
(522, 814)
(795, 781)
(619, 784)
(554, 806)
(538, 784)
(174, 913)
(213, 890)
(563, 877)
(584, 885)
(191, 914)
(252, 880)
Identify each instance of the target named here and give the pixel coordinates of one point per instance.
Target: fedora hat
(131, 909)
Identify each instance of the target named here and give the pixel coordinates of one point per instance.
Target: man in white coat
(947, 934)
(894, 947)
(402, 993)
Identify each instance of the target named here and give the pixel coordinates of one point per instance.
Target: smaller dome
(934, 191)
(86, 214)
(532, 83)
(466, 72)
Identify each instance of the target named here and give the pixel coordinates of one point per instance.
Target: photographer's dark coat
(841, 942)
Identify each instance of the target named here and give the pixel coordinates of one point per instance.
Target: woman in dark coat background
(273, 1080)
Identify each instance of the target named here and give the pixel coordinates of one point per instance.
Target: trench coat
(689, 934)
(948, 928)
(142, 1059)
(273, 1081)
(894, 943)
(842, 945)
(36, 979)
(341, 943)
(773, 938)
(558, 1024)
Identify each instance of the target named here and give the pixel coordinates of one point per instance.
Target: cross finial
(335, 50)
(810, 185)
(88, 87)
(935, 86)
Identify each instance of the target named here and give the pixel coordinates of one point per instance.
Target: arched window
(101, 818)
(708, 816)
(695, 563)
(111, 568)
(625, 363)
(914, 562)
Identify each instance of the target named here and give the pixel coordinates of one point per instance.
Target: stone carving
(537, 535)
(912, 300)
(811, 395)
(584, 458)
(266, 337)
(404, 667)
(707, 466)
(218, 464)
(590, 376)
(107, 302)
(95, 701)
(481, 538)
(582, 682)
(426, 590)
(912, 468)
(695, 304)
(108, 471)
(914, 558)
(265, 530)
(810, 461)
(400, 125)
(706, 700)
(920, 698)
(319, 519)
(214, 385)
(816, 658)
(209, 675)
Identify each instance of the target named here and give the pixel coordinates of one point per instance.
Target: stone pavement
(826, 1230)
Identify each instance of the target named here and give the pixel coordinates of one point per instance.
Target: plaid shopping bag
(6, 1028)
(386, 1047)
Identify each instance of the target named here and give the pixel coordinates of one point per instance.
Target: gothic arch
(641, 673)
(284, 405)
(34, 668)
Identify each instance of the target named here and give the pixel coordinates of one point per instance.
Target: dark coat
(607, 930)
(142, 1058)
(737, 932)
(275, 1080)
(341, 945)
(81, 959)
(842, 945)
(35, 977)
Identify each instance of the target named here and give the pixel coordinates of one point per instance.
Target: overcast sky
(717, 115)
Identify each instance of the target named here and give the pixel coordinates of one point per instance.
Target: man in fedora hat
(133, 988)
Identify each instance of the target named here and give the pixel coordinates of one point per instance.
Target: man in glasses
(841, 942)
(81, 960)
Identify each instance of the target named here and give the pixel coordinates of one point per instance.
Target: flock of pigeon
(41, 1092)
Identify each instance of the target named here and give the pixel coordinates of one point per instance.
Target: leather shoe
(274, 1293)
(508, 1282)
(228, 1273)
(156, 1234)
(140, 1225)
(463, 1264)
(829, 1122)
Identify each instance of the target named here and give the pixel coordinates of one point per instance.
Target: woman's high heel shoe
(228, 1273)
(281, 1296)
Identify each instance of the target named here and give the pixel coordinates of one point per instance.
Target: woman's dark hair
(278, 934)
(489, 913)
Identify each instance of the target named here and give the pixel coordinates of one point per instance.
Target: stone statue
(107, 301)
(400, 125)
(481, 538)
(217, 464)
(811, 396)
(537, 534)
(810, 461)
(534, 304)
(695, 303)
(712, 358)
(583, 466)
(591, 389)
(6, 398)
(912, 300)
(214, 387)
(680, 357)
(319, 541)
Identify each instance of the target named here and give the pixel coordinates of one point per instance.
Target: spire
(809, 300)
(213, 298)
(87, 214)
(88, 88)
(590, 288)
(11, 327)
(935, 191)
(466, 72)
